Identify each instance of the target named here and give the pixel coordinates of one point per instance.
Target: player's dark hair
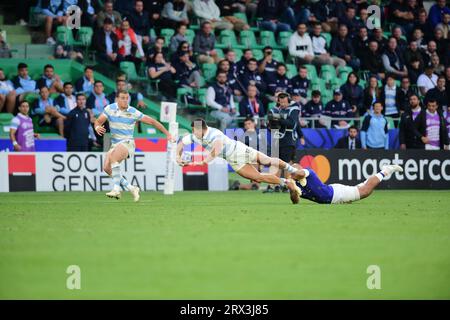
(48, 66)
(197, 121)
(68, 83)
(315, 93)
(80, 95)
(98, 81)
(88, 68)
(352, 127)
(22, 65)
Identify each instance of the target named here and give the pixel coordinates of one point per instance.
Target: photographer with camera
(285, 130)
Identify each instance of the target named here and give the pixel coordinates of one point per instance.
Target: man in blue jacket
(374, 131)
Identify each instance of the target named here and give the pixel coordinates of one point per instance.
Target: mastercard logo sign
(319, 164)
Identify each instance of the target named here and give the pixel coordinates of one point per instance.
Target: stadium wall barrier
(423, 169)
(83, 171)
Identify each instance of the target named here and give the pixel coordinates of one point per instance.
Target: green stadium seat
(85, 36)
(190, 35)
(312, 72)
(335, 83)
(257, 54)
(391, 124)
(291, 70)
(209, 71)
(267, 38)
(239, 54)
(278, 55)
(345, 69)
(283, 39)
(64, 35)
(327, 72)
(5, 121)
(152, 34)
(327, 37)
(130, 70)
(201, 96)
(227, 39)
(248, 39)
(167, 34)
(220, 53)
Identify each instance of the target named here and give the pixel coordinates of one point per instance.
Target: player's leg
(249, 172)
(116, 156)
(274, 163)
(123, 181)
(366, 188)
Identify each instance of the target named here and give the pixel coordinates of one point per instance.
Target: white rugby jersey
(207, 142)
(121, 123)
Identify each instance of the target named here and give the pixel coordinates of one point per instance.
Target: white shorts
(129, 144)
(344, 194)
(241, 156)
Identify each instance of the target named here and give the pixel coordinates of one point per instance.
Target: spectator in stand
(230, 7)
(349, 19)
(109, 13)
(125, 7)
(433, 127)
(77, 126)
(140, 22)
(339, 108)
(441, 43)
(220, 97)
(437, 11)
(154, 7)
(398, 35)
(90, 9)
(427, 80)
(422, 22)
(48, 113)
(129, 46)
(207, 10)
(274, 15)
(5, 51)
(224, 65)
(66, 101)
(413, 52)
(300, 46)
(267, 66)
(157, 47)
(353, 92)
(174, 14)
(377, 35)
(371, 94)
(53, 10)
(97, 100)
(106, 43)
(187, 72)
(230, 56)
(203, 46)
(388, 97)
(341, 46)
(350, 141)
(374, 130)
(280, 83)
(415, 70)
(361, 44)
(7, 93)
(447, 80)
(445, 25)
(393, 60)
(50, 80)
(313, 109)
(372, 62)
(86, 83)
(250, 76)
(161, 70)
(134, 99)
(439, 94)
(431, 50)
(418, 37)
(403, 94)
(438, 68)
(21, 132)
(325, 12)
(23, 84)
(179, 37)
(319, 45)
(299, 85)
(401, 15)
(447, 119)
(409, 135)
(251, 106)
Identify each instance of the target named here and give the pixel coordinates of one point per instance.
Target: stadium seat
(267, 38)
(335, 83)
(167, 34)
(312, 72)
(238, 53)
(283, 40)
(64, 35)
(190, 35)
(227, 39)
(291, 70)
(327, 72)
(130, 69)
(220, 53)
(257, 54)
(278, 55)
(85, 36)
(248, 39)
(327, 37)
(209, 71)
(5, 121)
(391, 124)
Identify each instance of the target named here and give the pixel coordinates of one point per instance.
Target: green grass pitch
(241, 245)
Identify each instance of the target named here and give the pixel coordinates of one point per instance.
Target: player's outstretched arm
(179, 153)
(158, 125)
(215, 151)
(98, 124)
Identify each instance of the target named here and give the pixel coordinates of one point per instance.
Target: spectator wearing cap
(220, 97)
(339, 108)
(374, 130)
(77, 124)
(350, 141)
(23, 83)
(86, 83)
(66, 101)
(427, 80)
(50, 80)
(393, 60)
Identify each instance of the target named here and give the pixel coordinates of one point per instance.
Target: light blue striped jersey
(121, 123)
(211, 135)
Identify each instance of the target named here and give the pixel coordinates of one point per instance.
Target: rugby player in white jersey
(237, 154)
(122, 119)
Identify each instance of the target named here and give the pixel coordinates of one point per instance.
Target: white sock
(380, 175)
(282, 182)
(306, 171)
(290, 168)
(116, 176)
(124, 183)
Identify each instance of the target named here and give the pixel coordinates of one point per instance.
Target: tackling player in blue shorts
(312, 188)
